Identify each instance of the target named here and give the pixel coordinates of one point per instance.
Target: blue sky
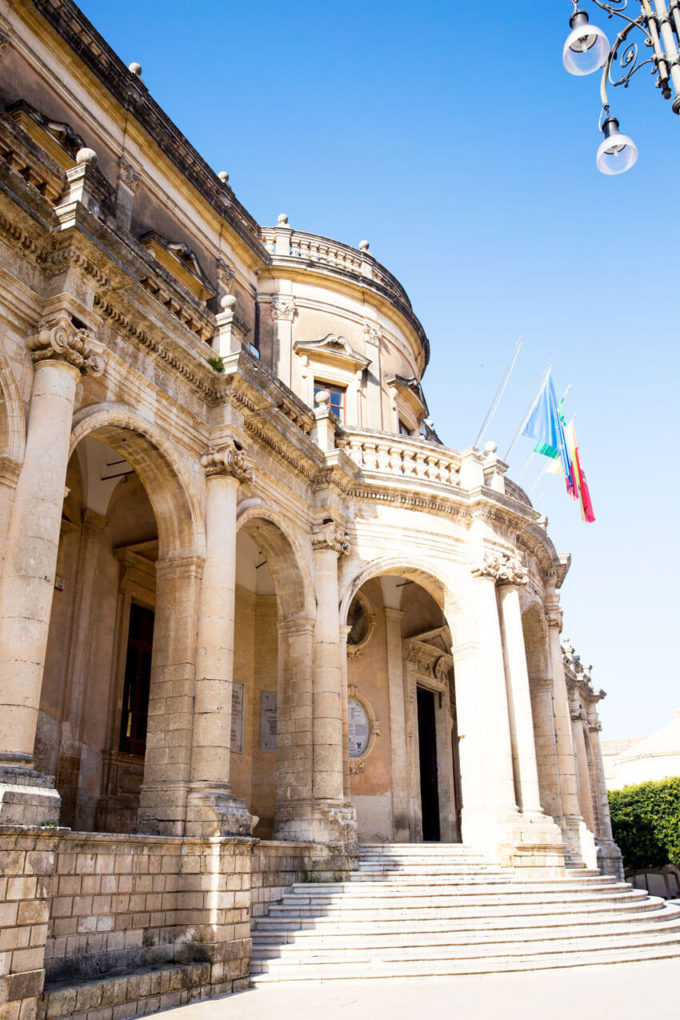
(461, 149)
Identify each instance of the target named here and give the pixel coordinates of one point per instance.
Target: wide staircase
(417, 910)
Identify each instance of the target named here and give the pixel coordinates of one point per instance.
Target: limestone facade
(246, 593)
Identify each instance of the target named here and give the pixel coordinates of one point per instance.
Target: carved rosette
(503, 567)
(329, 536)
(128, 174)
(283, 308)
(63, 342)
(227, 461)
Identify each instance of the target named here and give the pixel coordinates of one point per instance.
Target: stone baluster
(211, 808)
(61, 354)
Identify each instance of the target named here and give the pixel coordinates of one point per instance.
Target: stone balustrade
(402, 456)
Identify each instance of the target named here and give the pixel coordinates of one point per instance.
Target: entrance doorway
(137, 678)
(429, 787)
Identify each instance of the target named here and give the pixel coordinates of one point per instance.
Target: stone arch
(181, 529)
(291, 575)
(12, 418)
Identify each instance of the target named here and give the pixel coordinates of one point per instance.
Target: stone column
(211, 808)
(579, 844)
(583, 771)
(167, 762)
(489, 809)
(61, 354)
(546, 747)
(611, 860)
(344, 633)
(294, 737)
(519, 698)
(395, 682)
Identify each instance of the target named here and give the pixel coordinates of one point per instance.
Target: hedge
(646, 823)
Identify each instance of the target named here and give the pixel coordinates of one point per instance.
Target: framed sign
(362, 729)
(268, 721)
(237, 700)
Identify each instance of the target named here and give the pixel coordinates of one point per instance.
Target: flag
(546, 426)
(587, 512)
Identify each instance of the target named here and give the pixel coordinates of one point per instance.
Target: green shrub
(646, 823)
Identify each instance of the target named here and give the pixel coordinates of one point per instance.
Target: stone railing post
(62, 353)
(211, 808)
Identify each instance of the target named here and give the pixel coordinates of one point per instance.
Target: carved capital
(443, 667)
(63, 342)
(329, 536)
(503, 567)
(227, 461)
(226, 273)
(554, 618)
(283, 308)
(128, 174)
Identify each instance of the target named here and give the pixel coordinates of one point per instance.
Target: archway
(402, 737)
(117, 645)
(272, 706)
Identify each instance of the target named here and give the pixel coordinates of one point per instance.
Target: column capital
(329, 535)
(128, 174)
(283, 307)
(504, 568)
(228, 461)
(59, 340)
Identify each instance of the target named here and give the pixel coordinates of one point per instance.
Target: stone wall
(120, 925)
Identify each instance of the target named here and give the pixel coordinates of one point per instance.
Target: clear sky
(450, 136)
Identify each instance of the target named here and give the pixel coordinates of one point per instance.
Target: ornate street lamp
(587, 49)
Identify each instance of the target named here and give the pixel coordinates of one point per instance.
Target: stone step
(467, 949)
(275, 942)
(446, 968)
(419, 887)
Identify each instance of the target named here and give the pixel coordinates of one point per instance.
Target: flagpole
(529, 413)
(499, 394)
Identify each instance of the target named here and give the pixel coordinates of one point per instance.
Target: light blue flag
(546, 425)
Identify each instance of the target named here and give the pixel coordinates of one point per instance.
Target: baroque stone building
(252, 611)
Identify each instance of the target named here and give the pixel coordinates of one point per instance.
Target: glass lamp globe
(586, 47)
(617, 153)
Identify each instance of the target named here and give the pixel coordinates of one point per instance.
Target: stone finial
(86, 156)
(223, 176)
(136, 69)
(282, 220)
(503, 567)
(329, 535)
(490, 449)
(364, 245)
(323, 399)
(227, 461)
(62, 341)
(227, 302)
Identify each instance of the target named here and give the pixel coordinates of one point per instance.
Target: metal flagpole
(499, 394)
(529, 413)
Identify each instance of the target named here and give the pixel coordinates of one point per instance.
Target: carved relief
(361, 620)
(329, 536)
(283, 308)
(504, 567)
(372, 333)
(227, 461)
(226, 274)
(62, 341)
(128, 174)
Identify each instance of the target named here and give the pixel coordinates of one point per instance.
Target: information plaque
(268, 721)
(358, 727)
(237, 690)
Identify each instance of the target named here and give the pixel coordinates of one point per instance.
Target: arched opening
(109, 645)
(272, 692)
(402, 732)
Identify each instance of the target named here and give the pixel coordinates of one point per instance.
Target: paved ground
(626, 991)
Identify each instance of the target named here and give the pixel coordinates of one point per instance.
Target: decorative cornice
(60, 261)
(503, 567)
(256, 430)
(283, 308)
(63, 342)
(229, 461)
(329, 535)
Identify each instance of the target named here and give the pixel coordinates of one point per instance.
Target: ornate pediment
(55, 137)
(181, 262)
(409, 392)
(332, 350)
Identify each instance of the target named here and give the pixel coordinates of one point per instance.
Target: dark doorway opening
(137, 677)
(429, 789)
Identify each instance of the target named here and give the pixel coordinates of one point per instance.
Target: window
(337, 398)
(404, 430)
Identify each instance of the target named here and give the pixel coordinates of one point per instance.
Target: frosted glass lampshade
(617, 153)
(586, 47)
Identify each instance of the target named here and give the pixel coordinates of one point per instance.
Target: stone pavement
(625, 991)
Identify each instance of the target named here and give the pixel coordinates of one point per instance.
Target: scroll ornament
(227, 461)
(504, 567)
(64, 342)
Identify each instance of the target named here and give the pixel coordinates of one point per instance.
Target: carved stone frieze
(62, 341)
(329, 535)
(283, 308)
(227, 461)
(60, 261)
(503, 567)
